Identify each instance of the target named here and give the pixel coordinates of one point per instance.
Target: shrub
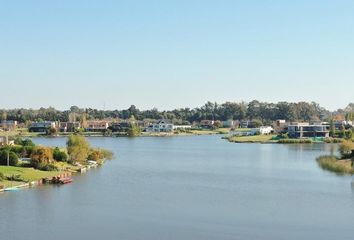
(346, 149)
(107, 154)
(133, 130)
(13, 158)
(95, 155)
(332, 140)
(52, 131)
(60, 156)
(49, 167)
(16, 177)
(295, 141)
(100, 154)
(2, 176)
(332, 164)
(24, 142)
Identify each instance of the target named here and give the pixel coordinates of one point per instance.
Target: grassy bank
(24, 175)
(252, 139)
(295, 141)
(331, 163)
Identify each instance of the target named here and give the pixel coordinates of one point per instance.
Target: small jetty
(61, 179)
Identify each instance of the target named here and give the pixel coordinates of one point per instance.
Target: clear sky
(175, 53)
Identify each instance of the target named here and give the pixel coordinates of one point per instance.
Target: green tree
(349, 134)
(59, 155)
(52, 131)
(342, 132)
(41, 157)
(24, 142)
(78, 148)
(133, 130)
(13, 158)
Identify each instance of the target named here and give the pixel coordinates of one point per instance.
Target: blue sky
(170, 54)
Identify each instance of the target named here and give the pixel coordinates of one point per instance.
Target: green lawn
(28, 174)
(210, 132)
(252, 139)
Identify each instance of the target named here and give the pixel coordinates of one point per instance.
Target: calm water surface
(188, 188)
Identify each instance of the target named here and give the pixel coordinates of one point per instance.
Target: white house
(264, 130)
(161, 126)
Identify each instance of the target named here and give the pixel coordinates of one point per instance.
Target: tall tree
(78, 148)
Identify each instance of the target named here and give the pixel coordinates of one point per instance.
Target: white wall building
(161, 126)
(265, 130)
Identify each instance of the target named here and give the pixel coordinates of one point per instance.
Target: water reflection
(196, 188)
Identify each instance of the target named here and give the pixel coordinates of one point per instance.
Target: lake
(183, 188)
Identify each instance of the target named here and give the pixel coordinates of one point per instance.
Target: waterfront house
(97, 126)
(161, 126)
(279, 126)
(207, 123)
(306, 130)
(41, 126)
(69, 126)
(120, 127)
(229, 123)
(245, 124)
(265, 130)
(340, 124)
(8, 125)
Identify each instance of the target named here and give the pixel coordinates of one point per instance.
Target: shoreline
(274, 139)
(101, 134)
(39, 181)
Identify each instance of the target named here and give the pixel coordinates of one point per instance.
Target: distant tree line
(254, 110)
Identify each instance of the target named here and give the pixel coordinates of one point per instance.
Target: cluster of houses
(8, 125)
(245, 127)
(294, 129)
(105, 125)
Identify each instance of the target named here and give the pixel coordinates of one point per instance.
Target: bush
(24, 142)
(332, 164)
(41, 156)
(52, 131)
(346, 149)
(295, 141)
(95, 155)
(133, 130)
(2, 176)
(12, 157)
(107, 154)
(60, 156)
(332, 140)
(16, 178)
(48, 167)
(100, 154)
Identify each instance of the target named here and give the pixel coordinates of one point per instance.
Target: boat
(11, 189)
(65, 180)
(59, 180)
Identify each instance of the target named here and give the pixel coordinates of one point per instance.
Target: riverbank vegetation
(252, 139)
(342, 165)
(25, 161)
